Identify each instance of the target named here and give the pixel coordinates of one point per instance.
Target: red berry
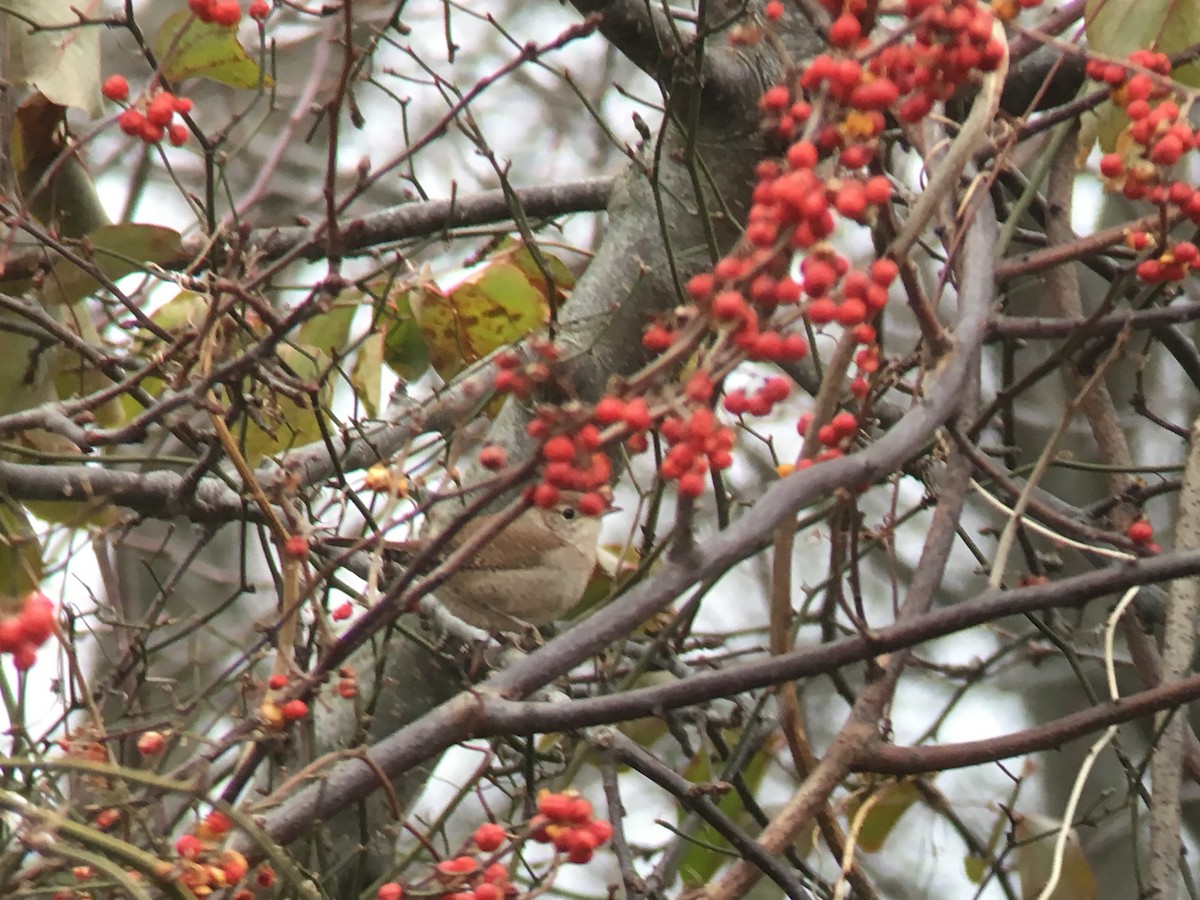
(775, 99)
(691, 484)
(637, 414)
(601, 830)
(609, 410)
(389, 891)
(884, 272)
(294, 710)
(580, 855)
(493, 457)
(115, 87)
(225, 12)
(821, 310)
(12, 635)
(878, 190)
(460, 865)
(1150, 271)
(700, 286)
(657, 339)
(545, 496)
(296, 547)
(558, 449)
(802, 155)
(699, 387)
(161, 109)
(844, 423)
(1167, 150)
(1111, 165)
(151, 743)
(851, 200)
(24, 657)
(591, 504)
(1140, 532)
(776, 388)
(489, 836)
(773, 10)
(851, 313)
(795, 348)
(878, 94)
(845, 31)
(277, 682)
(37, 619)
(177, 134)
(342, 611)
(151, 133)
(728, 306)
(1185, 252)
(130, 122)
(259, 10)
(819, 277)
(188, 846)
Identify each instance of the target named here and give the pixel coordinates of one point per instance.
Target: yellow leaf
(494, 307)
(1035, 858)
(117, 251)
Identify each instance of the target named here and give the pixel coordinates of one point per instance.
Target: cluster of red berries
(465, 878)
(565, 820)
(518, 377)
(834, 435)
(570, 462)
(948, 42)
(1159, 137)
(347, 685)
(275, 715)
(761, 402)
(571, 456)
(203, 867)
(156, 120)
(800, 196)
(227, 13)
(22, 634)
(750, 297)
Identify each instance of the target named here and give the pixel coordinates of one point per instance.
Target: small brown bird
(530, 573)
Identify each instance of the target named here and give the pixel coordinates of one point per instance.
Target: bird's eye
(569, 513)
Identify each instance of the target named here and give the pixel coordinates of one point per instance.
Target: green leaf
(282, 422)
(404, 348)
(189, 48)
(520, 256)
(117, 251)
(366, 374)
(75, 376)
(1116, 28)
(699, 863)
(888, 804)
(329, 331)
(20, 556)
(68, 201)
(62, 63)
(976, 868)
